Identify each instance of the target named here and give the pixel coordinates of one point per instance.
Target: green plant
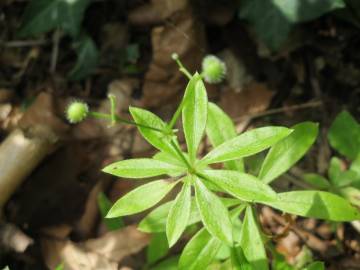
(273, 20)
(65, 17)
(220, 196)
(344, 137)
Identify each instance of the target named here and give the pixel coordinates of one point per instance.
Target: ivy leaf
(246, 144)
(316, 181)
(251, 242)
(316, 204)
(155, 138)
(157, 248)
(194, 114)
(199, 251)
(155, 221)
(214, 214)
(274, 19)
(241, 185)
(141, 198)
(141, 168)
(44, 15)
(105, 205)
(284, 154)
(344, 135)
(179, 214)
(87, 58)
(219, 129)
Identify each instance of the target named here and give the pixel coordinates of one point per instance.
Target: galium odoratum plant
(216, 197)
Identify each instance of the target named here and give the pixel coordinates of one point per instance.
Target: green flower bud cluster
(77, 111)
(213, 69)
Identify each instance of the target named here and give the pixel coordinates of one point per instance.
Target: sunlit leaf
(141, 198)
(179, 214)
(284, 154)
(155, 221)
(246, 144)
(316, 204)
(241, 185)
(220, 128)
(141, 168)
(194, 114)
(252, 243)
(213, 212)
(199, 251)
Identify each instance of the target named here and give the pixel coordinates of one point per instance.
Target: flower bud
(77, 111)
(213, 69)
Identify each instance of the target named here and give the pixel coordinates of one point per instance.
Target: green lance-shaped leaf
(154, 137)
(251, 241)
(194, 114)
(199, 252)
(316, 181)
(155, 221)
(179, 214)
(219, 129)
(284, 154)
(238, 259)
(246, 144)
(141, 198)
(157, 248)
(44, 15)
(142, 168)
(240, 185)
(213, 212)
(344, 135)
(316, 204)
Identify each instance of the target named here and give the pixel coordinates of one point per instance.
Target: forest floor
(53, 216)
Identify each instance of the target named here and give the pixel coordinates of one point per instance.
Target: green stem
(182, 68)
(118, 119)
(112, 99)
(176, 115)
(180, 154)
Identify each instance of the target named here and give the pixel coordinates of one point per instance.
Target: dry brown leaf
(103, 253)
(253, 99)
(156, 11)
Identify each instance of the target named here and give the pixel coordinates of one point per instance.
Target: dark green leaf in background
(344, 135)
(45, 15)
(157, 248)
(274, 19)
(87, 58)
(105, 205)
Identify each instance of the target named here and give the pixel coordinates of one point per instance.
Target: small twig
(311, 104)
(55, 50)
(23, 43)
